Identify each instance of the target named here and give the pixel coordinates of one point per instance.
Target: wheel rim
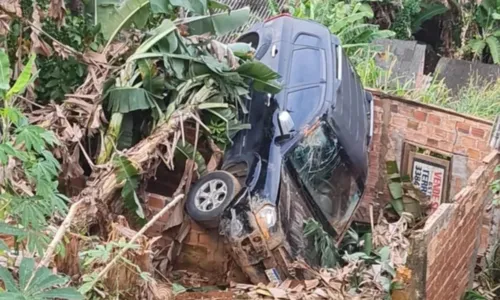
(210, 195)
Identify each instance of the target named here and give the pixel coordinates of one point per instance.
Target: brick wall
(449, 243)
(398, 120)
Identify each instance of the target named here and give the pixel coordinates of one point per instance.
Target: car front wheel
(210, 196)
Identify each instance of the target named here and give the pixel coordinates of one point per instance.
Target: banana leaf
(428, 12)
(188, 151)
(4, 71)
(115, 15)
(217, 24)
(128, 99)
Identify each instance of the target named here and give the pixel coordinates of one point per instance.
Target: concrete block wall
(399, 120)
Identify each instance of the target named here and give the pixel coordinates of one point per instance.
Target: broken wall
(445, 251)
(398, 120)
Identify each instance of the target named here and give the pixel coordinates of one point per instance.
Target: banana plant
(116, 15)
(168, 71)
(349, 21)
(488, 19)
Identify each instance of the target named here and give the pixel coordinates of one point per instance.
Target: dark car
(305, 156)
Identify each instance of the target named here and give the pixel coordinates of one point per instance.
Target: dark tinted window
(321, 167)
(302, 104)
(307, 66)
(308, 40)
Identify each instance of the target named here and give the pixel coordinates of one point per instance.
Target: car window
(319, 164)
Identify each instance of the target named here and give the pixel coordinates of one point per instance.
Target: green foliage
(57, 75)
(427, 12)
(321, 246)
(473, 295)
(115, 16)
(348, 20)
(60, 76)
(202, 75)
(101, 255)
(495, 187)
(188, 151)
(128, 174)
(36, 284)
(30, 194)
(487, 40)
(403, 20)
(4, 70)
(412, 14)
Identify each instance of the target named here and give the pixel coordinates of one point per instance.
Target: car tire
(209, 197)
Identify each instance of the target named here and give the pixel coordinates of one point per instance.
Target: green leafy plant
(320, 245)
(348, 20)
(116, 16)
(128, 174)
(36, 284)
(29, 185)
(58, 75)
(495, 187)
(488, 19)
(427, 12)
(194, 69)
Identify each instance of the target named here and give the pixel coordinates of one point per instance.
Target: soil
(215, 295)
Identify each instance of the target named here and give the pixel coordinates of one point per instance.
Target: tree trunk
(102, 185)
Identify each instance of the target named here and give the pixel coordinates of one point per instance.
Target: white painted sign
(429, 178)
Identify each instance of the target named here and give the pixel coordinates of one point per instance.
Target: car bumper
(261, 252)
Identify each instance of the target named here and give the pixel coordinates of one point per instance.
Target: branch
(59, 235)
(169, 206)
(57, 238)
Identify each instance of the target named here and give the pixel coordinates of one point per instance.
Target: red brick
(413, 125)
(406, 110)
(420, 115)
(441, 133)
(462, 127)
(432, 142)
(483, 146)
(394, 108)
(445, 145)
(156, 201)
(474, 154)
(467, 142)
(192, 238)
(417, 138)
(206, 240)
(434, 119)
(477, 132)
(398, 121)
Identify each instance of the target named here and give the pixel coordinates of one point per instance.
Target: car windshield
(323, 170)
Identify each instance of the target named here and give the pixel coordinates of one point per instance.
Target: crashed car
(305, 156)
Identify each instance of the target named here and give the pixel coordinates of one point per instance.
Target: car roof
(301, 51)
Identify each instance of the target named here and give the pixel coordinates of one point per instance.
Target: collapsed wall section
(398, 121)
(449, 244)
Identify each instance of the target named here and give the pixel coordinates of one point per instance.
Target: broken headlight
(266, 219)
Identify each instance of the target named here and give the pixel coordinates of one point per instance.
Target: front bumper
(262, 253)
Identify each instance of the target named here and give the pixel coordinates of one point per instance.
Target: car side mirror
(285, 123)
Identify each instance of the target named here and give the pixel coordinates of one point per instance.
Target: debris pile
(363, 277)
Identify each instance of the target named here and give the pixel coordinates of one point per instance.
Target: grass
(477, 98)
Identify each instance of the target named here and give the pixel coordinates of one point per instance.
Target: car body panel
(319, 88)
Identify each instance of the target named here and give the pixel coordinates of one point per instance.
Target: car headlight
(266, 219)
(268, 215)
